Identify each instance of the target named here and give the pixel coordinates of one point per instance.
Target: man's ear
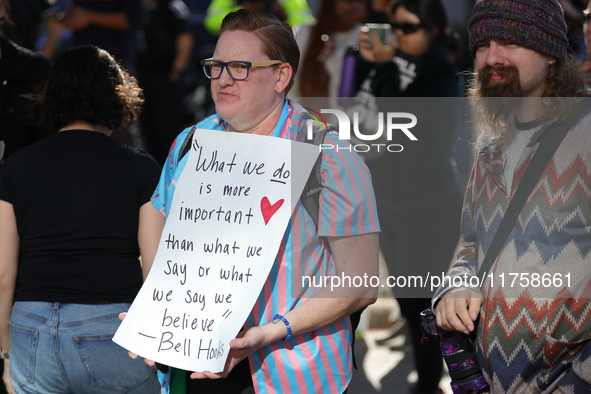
(283, 77)
(551, 61)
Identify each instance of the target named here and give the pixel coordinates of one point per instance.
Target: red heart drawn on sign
(269, 210)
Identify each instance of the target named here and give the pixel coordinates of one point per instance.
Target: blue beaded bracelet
(278, 316)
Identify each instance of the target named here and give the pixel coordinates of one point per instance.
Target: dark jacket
(21, 70)
(435, 76)
(424, 172)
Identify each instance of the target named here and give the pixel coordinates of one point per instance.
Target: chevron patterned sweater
(535, 320)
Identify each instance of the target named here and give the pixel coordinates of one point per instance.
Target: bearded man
(534, 310)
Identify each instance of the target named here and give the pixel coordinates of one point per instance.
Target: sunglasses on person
(406, 28)
(237, 70)
(586, 16)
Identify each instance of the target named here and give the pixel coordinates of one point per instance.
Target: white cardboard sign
(231, 206)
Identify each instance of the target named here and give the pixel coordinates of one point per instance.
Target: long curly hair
(432, 15)
(491, 116)
(87, 84)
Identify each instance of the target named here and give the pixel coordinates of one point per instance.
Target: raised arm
(9, 248)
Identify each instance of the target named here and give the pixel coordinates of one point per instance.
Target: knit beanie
(533, 24)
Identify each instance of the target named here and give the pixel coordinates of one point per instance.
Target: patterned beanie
(533, 24)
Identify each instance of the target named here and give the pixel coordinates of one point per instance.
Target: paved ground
(385, 367)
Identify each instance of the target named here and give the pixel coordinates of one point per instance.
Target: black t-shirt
(77, 195)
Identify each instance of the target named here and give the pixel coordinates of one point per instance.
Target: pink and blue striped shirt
(318, 361)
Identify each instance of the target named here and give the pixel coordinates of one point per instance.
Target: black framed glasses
(237, 70)
(406, 28)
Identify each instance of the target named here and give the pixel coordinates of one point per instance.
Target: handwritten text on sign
(229, 212)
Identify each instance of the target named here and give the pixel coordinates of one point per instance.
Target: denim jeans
(68, 348)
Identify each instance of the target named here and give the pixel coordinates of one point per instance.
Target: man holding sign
(294, 339)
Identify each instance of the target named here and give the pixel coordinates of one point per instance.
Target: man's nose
(494, 56)
(225, 78)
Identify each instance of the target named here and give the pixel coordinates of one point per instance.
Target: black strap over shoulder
(310, 196)
(186, 143)
(548, 145)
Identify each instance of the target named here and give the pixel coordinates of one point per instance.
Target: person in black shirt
(75, 214)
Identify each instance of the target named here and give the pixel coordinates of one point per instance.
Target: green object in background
(178, 381)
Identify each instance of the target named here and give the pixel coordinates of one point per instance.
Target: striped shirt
(317, 361)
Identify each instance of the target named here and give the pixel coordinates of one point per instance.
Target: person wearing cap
(534, 327)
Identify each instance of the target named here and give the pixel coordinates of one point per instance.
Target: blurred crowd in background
(161, 43)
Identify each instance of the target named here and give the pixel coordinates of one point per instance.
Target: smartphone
(383, 30)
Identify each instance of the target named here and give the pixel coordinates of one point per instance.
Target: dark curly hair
(87, 84)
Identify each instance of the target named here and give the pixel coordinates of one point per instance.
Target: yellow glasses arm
(265, 63)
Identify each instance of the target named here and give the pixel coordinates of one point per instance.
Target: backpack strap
(186, 147)
(549, 144)
(310, 196)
